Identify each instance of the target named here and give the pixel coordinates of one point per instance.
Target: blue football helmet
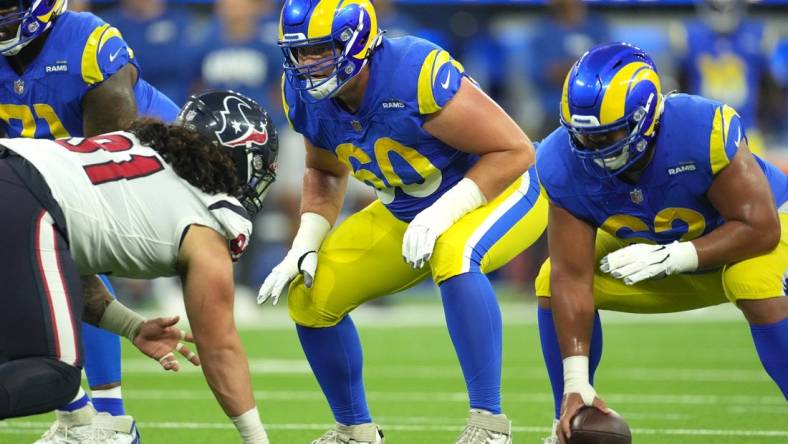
(610, 105)
(24, 20)
(344, 32)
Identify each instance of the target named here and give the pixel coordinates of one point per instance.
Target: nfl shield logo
(19, 86)
(636, 195)
(356, 125)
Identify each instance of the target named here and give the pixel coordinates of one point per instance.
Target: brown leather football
(591, 426)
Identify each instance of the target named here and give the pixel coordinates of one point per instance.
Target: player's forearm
(495, 171)
(226, 369)
(323, 193)
(573, 313)
(95, 297)
(735, 241)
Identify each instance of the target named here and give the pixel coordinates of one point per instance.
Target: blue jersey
(383, 142)
(256, 64)
(80, 52)
(696, 140)
(161, 45)
(728, 67)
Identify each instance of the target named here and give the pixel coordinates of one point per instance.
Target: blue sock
(102, 355)
(80, 400)
(334, 353)
(474, 322)
(771, 342)
(552, 353)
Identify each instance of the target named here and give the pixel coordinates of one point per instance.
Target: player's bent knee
(36, 385)
(542, 284)
(764, 311)
(305, 307)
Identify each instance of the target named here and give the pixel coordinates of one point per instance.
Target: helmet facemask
(608, 150)
(343, 52)
(26, 20)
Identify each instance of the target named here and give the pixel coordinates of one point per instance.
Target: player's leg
(757, 286)
(41, 303)
(102, 365)
(482, 241)
(360, 260)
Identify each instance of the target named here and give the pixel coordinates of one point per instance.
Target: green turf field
(675, 382)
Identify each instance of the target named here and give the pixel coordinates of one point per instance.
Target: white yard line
(263, 366)
(29, 427)
(613, 398)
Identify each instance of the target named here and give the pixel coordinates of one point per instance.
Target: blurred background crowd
(519, 51)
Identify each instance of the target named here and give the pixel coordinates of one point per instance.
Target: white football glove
(638, 262)
(431, 222)
(302, 258)
(296, 261)
(420, 237)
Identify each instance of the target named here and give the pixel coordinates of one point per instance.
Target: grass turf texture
(677, 382)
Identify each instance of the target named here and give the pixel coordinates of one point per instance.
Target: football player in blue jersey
(725, 55)
(70, 74)
(656, 205)
(456, 199)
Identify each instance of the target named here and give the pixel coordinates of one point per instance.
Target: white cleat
(108, 429)
(85, 426)
(368, 433)
(485, 428)
(553, 438)
(70, 427)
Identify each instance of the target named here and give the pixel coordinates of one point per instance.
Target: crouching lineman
(656, 205)
(156, 200)
(456, 199)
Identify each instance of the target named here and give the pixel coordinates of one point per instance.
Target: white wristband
(311, 232)
(576, 378)
(458, 201)
(684, 257)
(250, 428)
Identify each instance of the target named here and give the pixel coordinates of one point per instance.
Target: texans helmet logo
(240, 133)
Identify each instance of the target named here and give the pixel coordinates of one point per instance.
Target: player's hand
(570, 405)
(296, 261)
(420, 237)
(638, 262)
(159, 339)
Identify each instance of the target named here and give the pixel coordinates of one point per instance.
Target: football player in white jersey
(156, 200)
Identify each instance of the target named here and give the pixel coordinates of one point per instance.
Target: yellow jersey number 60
(384, 186)
(28, 117)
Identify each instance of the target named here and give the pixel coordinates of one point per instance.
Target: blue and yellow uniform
(80, 52)
(728, 67)
(386, 147)
(696, 140)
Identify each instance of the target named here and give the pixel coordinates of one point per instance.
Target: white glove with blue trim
(638, 262)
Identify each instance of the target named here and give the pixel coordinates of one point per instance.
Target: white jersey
(126, 210)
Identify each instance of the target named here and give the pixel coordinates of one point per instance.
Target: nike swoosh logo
(114, 56)
(445, 83)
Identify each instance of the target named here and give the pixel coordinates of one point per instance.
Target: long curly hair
(190, 154)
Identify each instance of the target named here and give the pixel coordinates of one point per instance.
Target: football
(591, 426)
